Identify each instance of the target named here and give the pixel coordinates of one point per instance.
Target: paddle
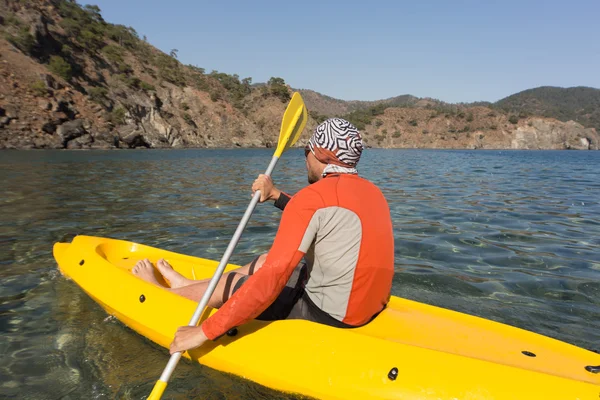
(292, 124)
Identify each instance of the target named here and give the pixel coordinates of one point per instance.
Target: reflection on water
(511, 236)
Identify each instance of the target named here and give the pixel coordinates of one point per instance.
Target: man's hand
(187, 338)
(264, 183)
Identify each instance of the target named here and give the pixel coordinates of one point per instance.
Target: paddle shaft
(219, 272)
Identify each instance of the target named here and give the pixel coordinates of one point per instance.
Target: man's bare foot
(144, 270)
(175, 278)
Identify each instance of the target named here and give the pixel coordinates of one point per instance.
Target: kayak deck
(439, 354)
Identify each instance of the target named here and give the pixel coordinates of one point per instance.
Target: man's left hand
(187, 338)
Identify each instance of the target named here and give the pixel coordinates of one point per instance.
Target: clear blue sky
(456, 51)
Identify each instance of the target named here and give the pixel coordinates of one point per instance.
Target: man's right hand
(264, 183)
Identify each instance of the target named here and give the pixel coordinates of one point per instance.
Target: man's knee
(257, 263)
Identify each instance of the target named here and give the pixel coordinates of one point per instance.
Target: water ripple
(516, 231)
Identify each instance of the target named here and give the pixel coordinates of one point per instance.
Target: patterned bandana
(337, 143)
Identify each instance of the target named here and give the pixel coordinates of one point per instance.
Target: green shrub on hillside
(93, 12)
(66, 50)
(146, 86)
(379, 138)
(236, 90)
(98, 94)
(169, 69)
(113, 53)
(124, 68)
(278, 89)
(83, 24)
(39, 88)
(200, 82)
(77, 18)
(264, 91)
(196, 69)
(12, 20)
(513, 119)
(134, 82)
(361, 118)
(144, 53)
(123, 35)
(70, 9)
(117, 116)
(90, 40)
(23, 40)
(60, 67)
(215, 95)
(317, 117)
(72, 27)
(470, 117)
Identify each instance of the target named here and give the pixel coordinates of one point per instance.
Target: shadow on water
(510, 236)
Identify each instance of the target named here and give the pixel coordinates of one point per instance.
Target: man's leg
(194, 290)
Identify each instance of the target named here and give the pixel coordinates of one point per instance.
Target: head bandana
(337, 143)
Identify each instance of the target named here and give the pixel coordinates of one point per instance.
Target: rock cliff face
(70, 80)
(548, 134)
(475, 128)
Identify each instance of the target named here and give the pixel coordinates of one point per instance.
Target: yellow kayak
(410, 351)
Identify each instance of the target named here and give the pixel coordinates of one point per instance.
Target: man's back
(351, 256)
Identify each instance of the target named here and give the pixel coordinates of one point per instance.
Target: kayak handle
(592, 369)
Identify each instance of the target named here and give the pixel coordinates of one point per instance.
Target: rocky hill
(580, 104)
(473, 128)
(69, 79)
(412, 122)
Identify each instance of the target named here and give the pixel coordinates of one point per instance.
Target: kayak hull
(438, 353)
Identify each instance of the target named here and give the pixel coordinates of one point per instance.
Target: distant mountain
(326, 105)
(580, 104)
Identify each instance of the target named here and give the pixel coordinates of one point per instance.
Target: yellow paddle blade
(292, 124)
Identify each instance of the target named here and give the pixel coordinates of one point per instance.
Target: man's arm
(295, 234)
(268, 191)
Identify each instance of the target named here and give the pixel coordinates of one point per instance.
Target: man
(340, 224)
